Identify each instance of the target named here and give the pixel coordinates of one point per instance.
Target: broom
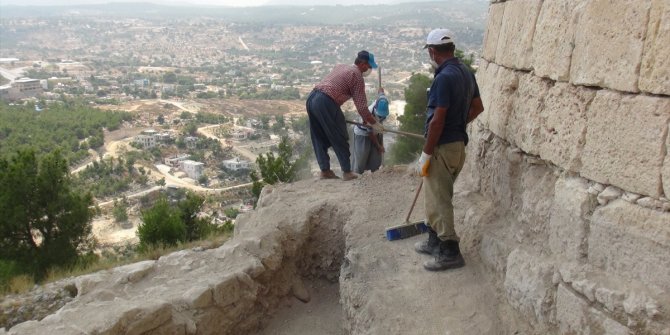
(407, 229)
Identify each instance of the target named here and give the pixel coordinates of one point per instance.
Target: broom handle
(416, 196)
(388, 130)
(379, 72)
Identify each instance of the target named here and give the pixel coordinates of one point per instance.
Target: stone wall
(572, 151)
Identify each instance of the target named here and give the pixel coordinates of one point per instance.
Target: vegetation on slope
(71, 127)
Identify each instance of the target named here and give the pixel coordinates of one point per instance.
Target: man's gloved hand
(423, 164)
(377, 127)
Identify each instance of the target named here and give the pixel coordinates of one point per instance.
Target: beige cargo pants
(445, 165)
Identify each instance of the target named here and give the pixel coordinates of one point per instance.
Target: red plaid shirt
(344, 82)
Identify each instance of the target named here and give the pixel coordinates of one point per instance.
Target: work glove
(423, 164)
(377, 127)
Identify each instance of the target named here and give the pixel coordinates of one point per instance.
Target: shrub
(120, 211)
(161, 226)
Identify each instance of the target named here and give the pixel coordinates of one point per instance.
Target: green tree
(256, 184)
(196, 228)
(278, 168)
(191, 129)
(466, 60)
(43, 221)
(170, 78)
(161, 226)
(406, 149)
(120, 210)
(265, 121)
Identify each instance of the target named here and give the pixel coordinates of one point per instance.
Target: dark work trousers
(329, 129)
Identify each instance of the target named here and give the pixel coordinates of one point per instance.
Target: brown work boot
(349, 176)
(328, 174)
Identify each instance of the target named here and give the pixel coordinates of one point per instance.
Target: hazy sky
(235, 3)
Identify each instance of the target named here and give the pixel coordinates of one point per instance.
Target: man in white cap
(326, 120)
(453, 101)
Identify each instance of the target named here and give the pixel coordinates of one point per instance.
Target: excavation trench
(314, 299)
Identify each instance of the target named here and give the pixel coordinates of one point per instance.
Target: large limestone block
(608, 44)
(626, 302)
(624, 141)
(665, 172)
(631, 241)
(486, 79)
(493, 254)
(529, 286)
(502, 98)
(499, 177)
(564, 128)
(575, 316)
(655, 69)
(569, 222)
(554, 38)
(535, 198)
(524, 127)
(515, 40)
(494, 21)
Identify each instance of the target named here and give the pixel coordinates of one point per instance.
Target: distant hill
(427, 14)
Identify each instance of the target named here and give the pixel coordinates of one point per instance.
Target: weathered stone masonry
(573, 153)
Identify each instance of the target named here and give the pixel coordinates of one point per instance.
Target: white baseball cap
(439, 37)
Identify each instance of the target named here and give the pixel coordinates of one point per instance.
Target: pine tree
(406, 149)
(43, 222)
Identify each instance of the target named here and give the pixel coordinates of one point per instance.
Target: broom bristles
(405, 230)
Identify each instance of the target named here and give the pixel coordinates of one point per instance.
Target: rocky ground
(36, 304)
(338, 229)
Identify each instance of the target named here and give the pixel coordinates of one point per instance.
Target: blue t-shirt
(453, 88)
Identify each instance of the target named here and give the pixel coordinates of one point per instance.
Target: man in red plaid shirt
(326, 120)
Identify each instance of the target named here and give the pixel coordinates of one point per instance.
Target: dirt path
(383, 283)
(207, 132)
(173, 180)
(114, 141)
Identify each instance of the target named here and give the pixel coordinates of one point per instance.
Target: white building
(164, 137)
(175, 161)
(21, 88)
(192, 169)
(146, 141)
(236, 163)
(241, 133)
